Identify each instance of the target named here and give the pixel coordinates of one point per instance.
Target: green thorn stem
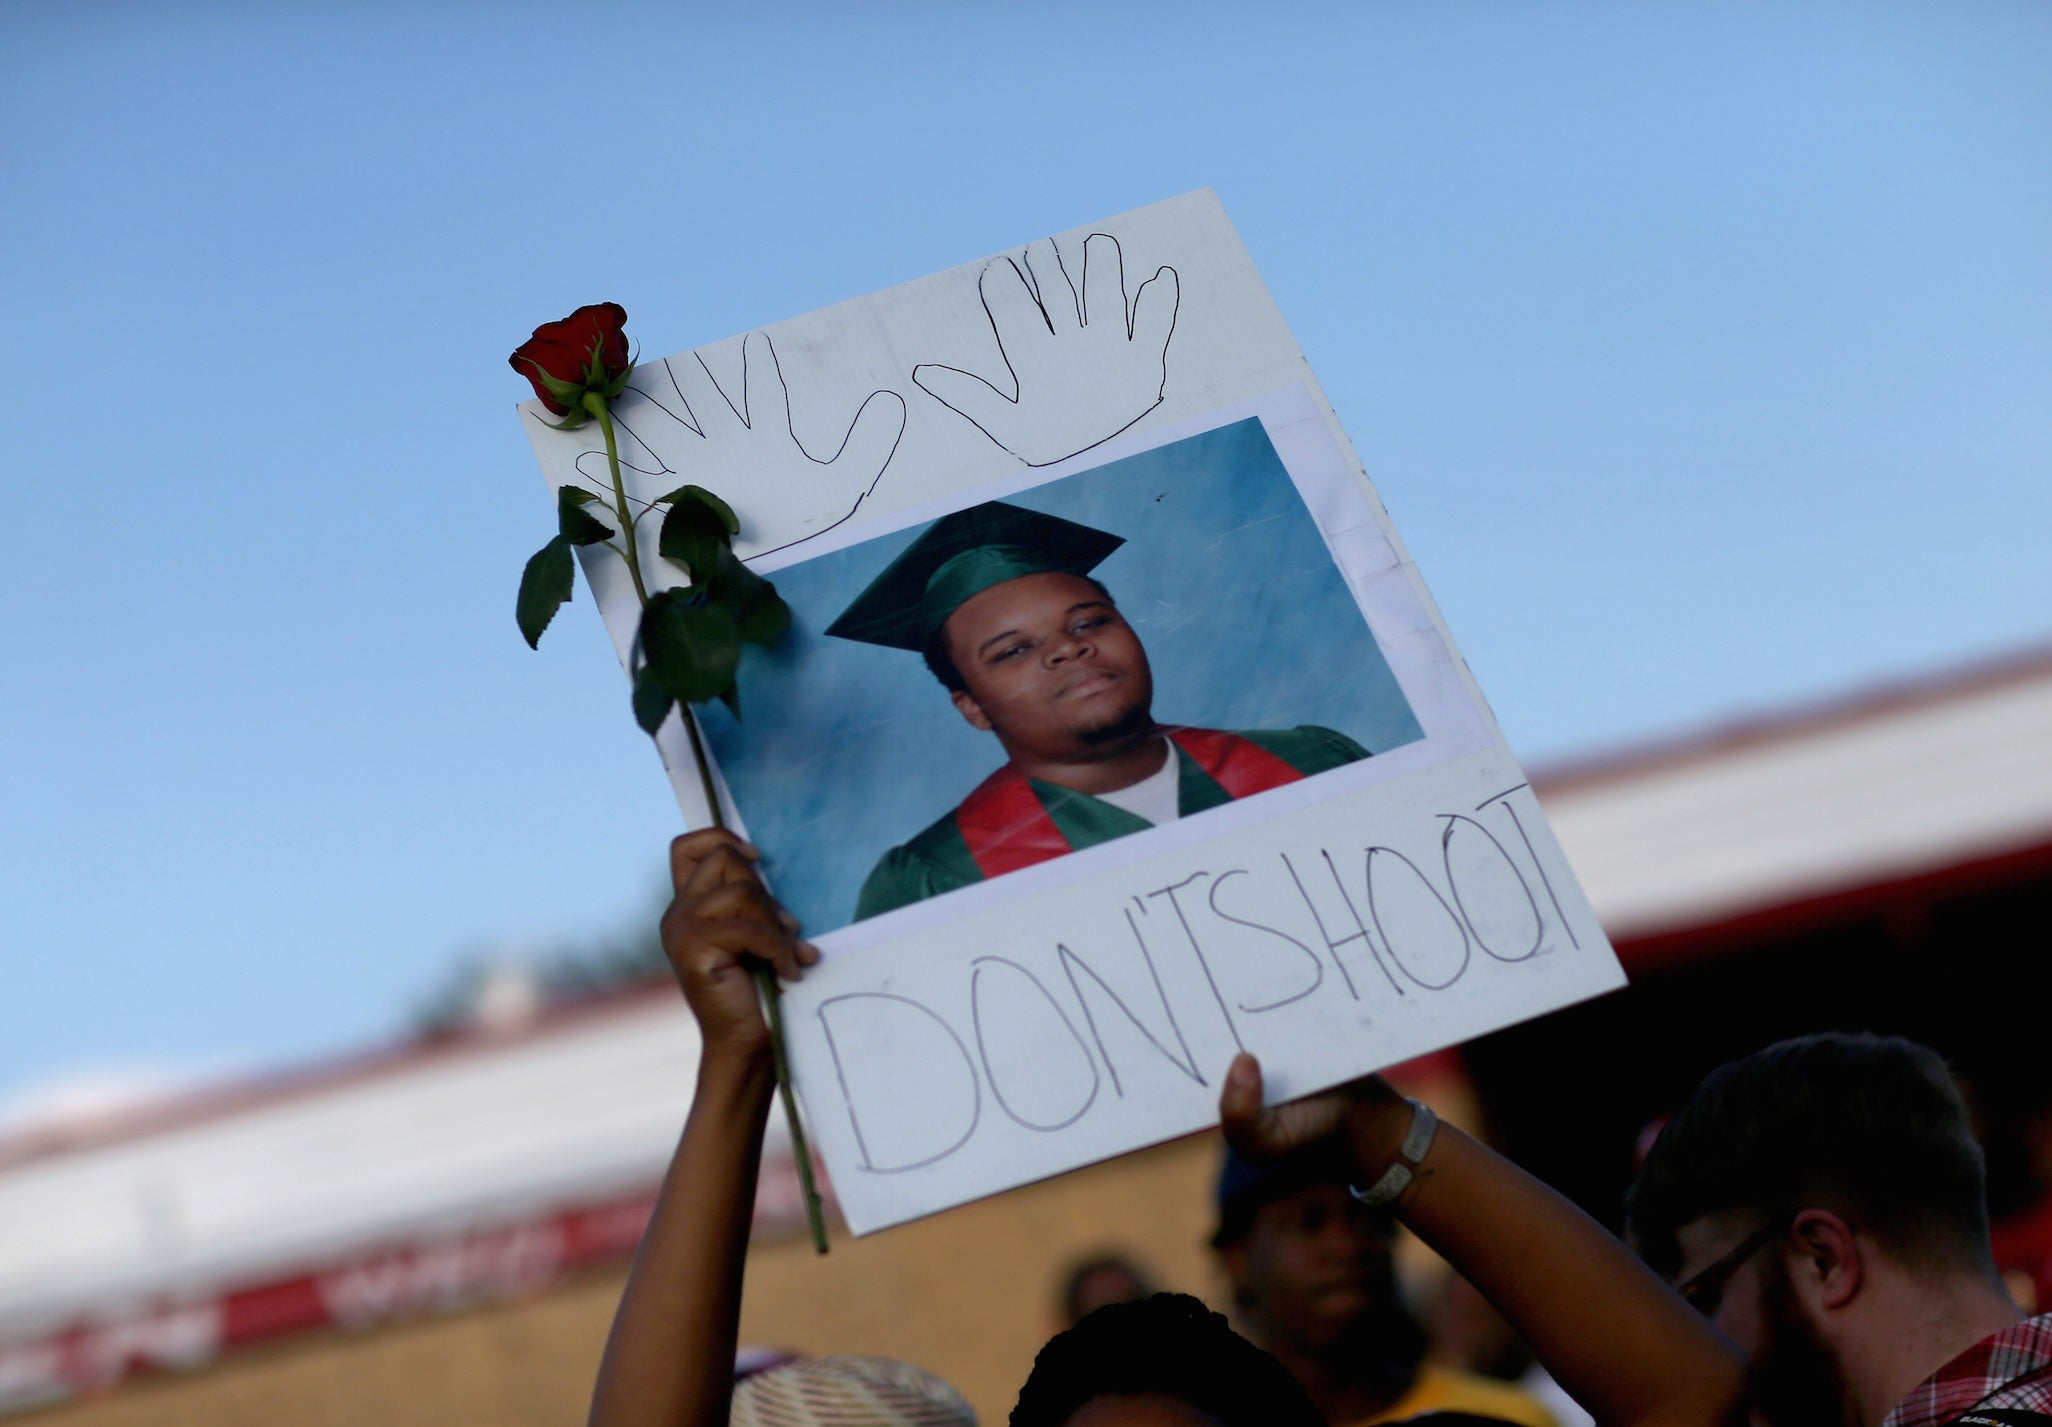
(596, 405)
(815, 1214)
(765, 978)
(772, 1000)
(705, 781)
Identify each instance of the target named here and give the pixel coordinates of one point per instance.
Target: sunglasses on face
(1704, 1291)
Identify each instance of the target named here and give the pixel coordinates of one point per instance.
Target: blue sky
(1701, 351)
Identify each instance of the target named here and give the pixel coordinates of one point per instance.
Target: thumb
(873, 437)
(965, 393)
(1241, 1115)
(1154, 311)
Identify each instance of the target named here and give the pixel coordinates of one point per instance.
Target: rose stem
(765, 978)
(596, 405)
(772, 997)
(815, 1216)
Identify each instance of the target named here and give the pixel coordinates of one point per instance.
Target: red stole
(1006, 828)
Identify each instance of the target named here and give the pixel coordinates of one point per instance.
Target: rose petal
(564, 349)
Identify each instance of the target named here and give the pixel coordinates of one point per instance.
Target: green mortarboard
(961, 555)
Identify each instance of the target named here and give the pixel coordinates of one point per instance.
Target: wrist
(741, 1063)
(1376, 1124)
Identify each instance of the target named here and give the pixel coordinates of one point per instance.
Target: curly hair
(1170, 1345)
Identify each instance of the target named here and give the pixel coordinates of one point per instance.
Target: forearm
(1619, 1340)
(670, 1357)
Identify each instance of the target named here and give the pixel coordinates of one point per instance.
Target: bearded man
(1823, 1202)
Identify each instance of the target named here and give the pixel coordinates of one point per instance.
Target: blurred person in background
(1469, 1335)
(1823, 1202)
(1314, 1281)
(1097, 1282)
(1313, 1268)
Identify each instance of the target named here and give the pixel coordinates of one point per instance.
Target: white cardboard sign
(1347, 871)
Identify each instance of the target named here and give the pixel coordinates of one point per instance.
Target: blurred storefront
(437, 1233)
(1881, 863)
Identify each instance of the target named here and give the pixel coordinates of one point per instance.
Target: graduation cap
(962, 555)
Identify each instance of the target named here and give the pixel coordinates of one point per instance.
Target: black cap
(1244, 1187)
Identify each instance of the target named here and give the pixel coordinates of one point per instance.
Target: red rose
(586, 350)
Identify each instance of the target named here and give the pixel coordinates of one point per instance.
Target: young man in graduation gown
(1001, 603)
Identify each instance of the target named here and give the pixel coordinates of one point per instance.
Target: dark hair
(1868, 1126)
(941, 664)
(1169, 1344)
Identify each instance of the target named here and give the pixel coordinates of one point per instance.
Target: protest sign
(1086, 496)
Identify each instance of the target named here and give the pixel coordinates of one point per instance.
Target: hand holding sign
(720, 919)
(1080, 372)
(1259, 1133)
(680, 425)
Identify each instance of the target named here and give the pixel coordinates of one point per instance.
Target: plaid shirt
(2012, 1369)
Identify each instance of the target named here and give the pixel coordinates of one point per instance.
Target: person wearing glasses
(1823, 1203)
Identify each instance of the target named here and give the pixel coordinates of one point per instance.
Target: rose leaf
(765, 621)
(693, 535)
(759, 611)
(693, 650)
(573, 522)
(699, 495)
(718, 507)
(545, 587)
(652, 701)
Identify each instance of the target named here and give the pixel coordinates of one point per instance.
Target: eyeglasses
(1705, 1290)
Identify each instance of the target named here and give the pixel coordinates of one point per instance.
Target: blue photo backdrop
(849, 749)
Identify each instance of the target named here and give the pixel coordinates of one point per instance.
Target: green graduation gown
(942, 858)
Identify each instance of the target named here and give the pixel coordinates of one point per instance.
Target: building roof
(206, 1192)
(1811, 811)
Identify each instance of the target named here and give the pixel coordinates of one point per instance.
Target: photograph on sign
(955, 697)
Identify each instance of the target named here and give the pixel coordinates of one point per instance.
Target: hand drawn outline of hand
(1082, 367)
(679, 425)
